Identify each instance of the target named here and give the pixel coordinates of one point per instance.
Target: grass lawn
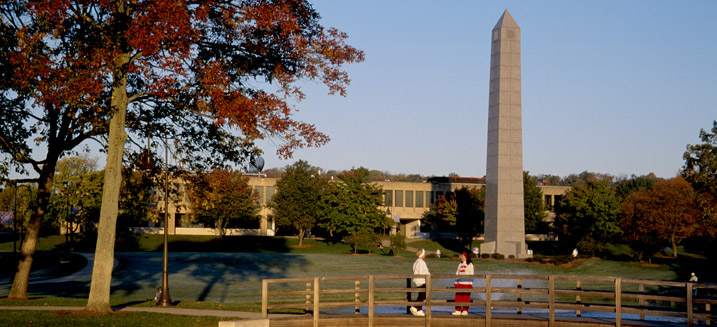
(207, 272)
(224, 278)
(192, 243)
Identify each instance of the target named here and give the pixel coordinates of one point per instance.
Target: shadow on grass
(45, 265)
(199, 276)
(253, 244)
(684, 265)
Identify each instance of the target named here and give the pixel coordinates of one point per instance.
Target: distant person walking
(693, 279)
(420, 268)
(158, 295)
(464, 268)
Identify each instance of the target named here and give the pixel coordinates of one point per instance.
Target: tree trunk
(301, 236)
(674, 246)
(221, 227)
(22, 275)
(99, 297)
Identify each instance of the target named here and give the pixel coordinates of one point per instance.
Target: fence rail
(545, 295)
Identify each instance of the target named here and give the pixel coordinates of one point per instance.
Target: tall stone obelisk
(504, 210)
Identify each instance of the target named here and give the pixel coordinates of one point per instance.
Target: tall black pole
(165, 300)
(14, 223)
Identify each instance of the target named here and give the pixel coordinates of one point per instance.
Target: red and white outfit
(463, 269)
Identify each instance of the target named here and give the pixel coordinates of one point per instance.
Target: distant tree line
(647, 213)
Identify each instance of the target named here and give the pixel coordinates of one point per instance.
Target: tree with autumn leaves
(663, 215)
(461, 211)
(211, 76)
(223, 199)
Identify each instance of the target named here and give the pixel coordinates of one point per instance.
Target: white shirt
(465, 269)
(420, 268)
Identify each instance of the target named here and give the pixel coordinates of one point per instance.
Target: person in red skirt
(464, 268)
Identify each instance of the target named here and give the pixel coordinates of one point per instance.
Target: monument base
(507, 248)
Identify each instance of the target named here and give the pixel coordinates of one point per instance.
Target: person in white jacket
(420, 268)
(464, 268)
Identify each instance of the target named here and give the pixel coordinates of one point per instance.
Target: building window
(409, 199)
(556, 203)
(419, 199)
(260, 191)
(399, 199)
(388, 198)
(270, 190)
(429, 198)
(438, 195)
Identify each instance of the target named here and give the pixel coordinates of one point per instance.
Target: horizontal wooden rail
(547, 294)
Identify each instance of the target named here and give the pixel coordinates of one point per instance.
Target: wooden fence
(620, 299)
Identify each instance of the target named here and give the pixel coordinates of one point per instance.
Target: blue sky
(618, 87)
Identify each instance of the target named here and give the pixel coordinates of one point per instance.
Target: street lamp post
(164, 299)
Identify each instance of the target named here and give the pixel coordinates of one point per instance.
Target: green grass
(192, 243)
(448, 247)
(46, 243)
(211, 272)
(71, 318)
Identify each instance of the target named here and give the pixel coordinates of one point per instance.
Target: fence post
(308, 298)
(551, 300)
(578, 299)
(428, 301)
(488, 313)
(618, 302)
(371, 288)
(357, 297)
(408, 295)
(688, 299)
(708, 309)
(520, 295)
(316, 302)
(264, 299)
(641, 301)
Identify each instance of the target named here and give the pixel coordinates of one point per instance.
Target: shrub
(364, 239)
(398, 242)
(498, 256)
(511, 257)
(563, 259)
(485, 255)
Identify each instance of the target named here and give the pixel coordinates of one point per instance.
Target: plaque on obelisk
(504, 211)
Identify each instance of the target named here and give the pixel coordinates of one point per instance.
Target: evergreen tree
(297, 201)
(350, 209)
(589, 216)
(534, 208)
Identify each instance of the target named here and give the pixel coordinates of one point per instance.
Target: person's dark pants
(421, 297)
